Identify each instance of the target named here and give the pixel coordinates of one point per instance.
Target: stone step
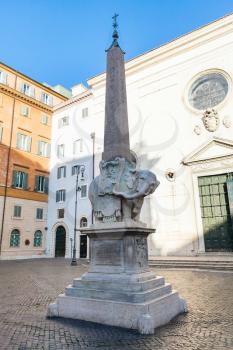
(119, 285)
(172, 261)
(225, 266)
(126, 278)
(118, 295)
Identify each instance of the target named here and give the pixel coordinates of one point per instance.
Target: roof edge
(170, 45)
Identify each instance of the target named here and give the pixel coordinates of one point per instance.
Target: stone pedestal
(119, 289)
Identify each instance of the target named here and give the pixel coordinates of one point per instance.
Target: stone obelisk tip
(116, 131)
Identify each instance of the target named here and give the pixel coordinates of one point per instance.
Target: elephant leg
(136, 208)
(126, 208)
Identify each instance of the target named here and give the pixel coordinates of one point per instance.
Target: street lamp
(80, 168)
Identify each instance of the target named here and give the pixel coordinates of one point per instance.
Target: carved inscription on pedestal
(107, 252)
(141, 251)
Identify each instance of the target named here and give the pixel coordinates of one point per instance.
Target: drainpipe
(7, 168)
(93, 167)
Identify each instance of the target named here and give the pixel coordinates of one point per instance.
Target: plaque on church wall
(208, 91)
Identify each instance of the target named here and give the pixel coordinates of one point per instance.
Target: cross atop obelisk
(116, 131)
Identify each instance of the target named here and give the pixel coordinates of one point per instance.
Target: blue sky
(64, 41)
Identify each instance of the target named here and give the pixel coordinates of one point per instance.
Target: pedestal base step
(132, 297)
(144, 317)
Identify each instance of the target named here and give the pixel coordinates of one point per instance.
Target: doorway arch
(83, 239)
(60, 243)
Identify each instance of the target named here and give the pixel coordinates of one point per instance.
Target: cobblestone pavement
(27, 287)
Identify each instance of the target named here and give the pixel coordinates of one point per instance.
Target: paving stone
(27, 287)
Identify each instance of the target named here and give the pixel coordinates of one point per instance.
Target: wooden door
(60, 246)
(83, 246)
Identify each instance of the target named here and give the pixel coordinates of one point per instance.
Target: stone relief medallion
(211, 120)
(197, 130)
(208, 91)
(227, 122)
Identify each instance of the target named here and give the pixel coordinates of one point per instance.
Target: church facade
(180, 117)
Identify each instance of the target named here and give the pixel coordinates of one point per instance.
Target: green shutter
(18, 140)
(46, 185)
(25, 181)
(36, 183)
(14, 182)
(29, 143)
(48, 150)
(38, 147)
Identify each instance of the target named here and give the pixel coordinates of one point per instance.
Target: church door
(215, 209)
(60, 246)
(83, 246)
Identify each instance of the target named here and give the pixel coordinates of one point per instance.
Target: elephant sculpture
(117, 194)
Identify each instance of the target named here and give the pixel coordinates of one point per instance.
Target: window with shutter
(75, 169)
(61, 172)
(39, 213)
(61, 213)
(15, 238)
(37, 239)
(44, 119)
(3, 77)
(43, 149)
(63, 122)
(41, 183)
(20, 179)
(25, 89)
(60, 196)
(46, 99)
(60, 150)
(23, 142)
(32, 91)
(83, 222)
(78, 146)
(17, 211)
(25, 111)
(85, 112)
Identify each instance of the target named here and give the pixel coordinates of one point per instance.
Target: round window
(208, 91)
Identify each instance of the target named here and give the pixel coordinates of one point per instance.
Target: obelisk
(116, 129)
(119, 289)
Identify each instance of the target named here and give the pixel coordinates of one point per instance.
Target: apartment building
(25, 137)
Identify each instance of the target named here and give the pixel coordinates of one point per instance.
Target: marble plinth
(119, 289)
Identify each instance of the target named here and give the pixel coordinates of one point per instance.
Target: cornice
(190, 159)
(35, 82)
(209, 160)
(20, 96)
(193, 39)
(63, 105)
